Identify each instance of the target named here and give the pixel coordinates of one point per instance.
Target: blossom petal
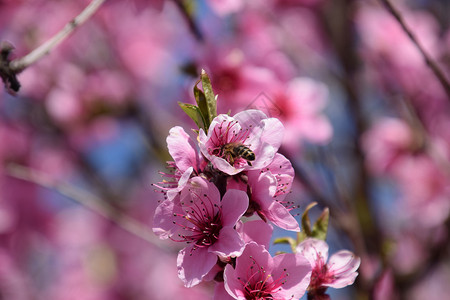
(181, 184)
(263, 185)
(220, 293)
(163, 225)
(252, 253)
(296, 282)
(193, 265)
(281, 165)
(229, 243)
(257, 231)
(182, 149)
(234, 205)
(199, 187)
(232, 285)
(273, 133)
(343, 265)
(312, 249)
(280, 216)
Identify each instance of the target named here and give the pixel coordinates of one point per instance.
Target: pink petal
(197, 188)
(312, 249)
(280, 216)
(232, 285)
(194, 265)
(343, 265)
(244, 263)
(220, 293)
(251, 253)
(234, 205)
(163, 221)
(281, 165)
(257, 231)
(182, 149)
(250, 118)
(229, 243)
(273, 133)
(172, 193)
(299, 270)
(224, 166)
(264, 185)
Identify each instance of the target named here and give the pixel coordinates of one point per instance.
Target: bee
(232, 151)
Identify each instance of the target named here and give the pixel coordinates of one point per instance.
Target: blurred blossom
(384, 288)
(13, 285)
(224, 7)
(385, 142)
(435, 286)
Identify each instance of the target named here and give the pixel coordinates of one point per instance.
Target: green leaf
(306, 223)
(320, 228)
(286, 240)
(211, 100)
(201, 102)
(194, 113)
(301, 236)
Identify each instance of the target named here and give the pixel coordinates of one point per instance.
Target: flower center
(229, 142)
(202, 221)
(320, 275)
(259, 285)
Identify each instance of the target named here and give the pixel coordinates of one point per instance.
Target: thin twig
(430, 62)
(86, 199)
(187, 15)
(18, 65)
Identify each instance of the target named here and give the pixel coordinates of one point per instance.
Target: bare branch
(86, 199)
(429, 61)
(18, 65)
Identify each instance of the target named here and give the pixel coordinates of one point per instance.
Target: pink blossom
(257, 231)
(259, 276)
(339, 272)
(425, 189)
(385, 142)
(299, 104)
(198, 217)
(187, 162)
(269, 188)
(250, 128)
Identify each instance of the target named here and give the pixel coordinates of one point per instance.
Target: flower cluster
(233, 169)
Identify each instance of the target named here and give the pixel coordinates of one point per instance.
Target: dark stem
(429, 61)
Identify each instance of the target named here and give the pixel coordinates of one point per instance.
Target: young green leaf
(211, 100)
(286, 240)
(306, 223)
(201, 102)
(320, 228)
(194, 113)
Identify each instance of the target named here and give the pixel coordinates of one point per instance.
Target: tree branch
(429, 61)
(18, 65)
(87, 200)
(9, 69)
